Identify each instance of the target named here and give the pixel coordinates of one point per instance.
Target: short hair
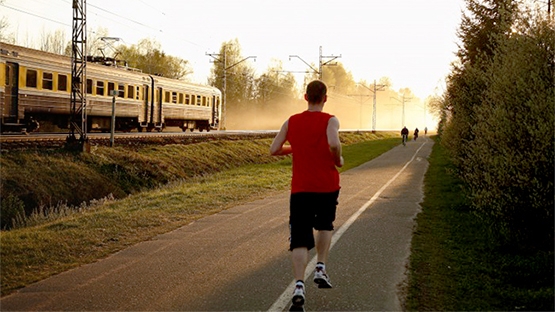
(316, 91)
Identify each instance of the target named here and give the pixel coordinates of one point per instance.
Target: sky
(413, 42)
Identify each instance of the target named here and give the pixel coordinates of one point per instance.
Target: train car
(35, 87)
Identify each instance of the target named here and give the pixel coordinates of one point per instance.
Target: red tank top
(313, 165)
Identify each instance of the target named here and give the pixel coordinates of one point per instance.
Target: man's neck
(315, 107)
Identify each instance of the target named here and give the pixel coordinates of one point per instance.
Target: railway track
(10, 142)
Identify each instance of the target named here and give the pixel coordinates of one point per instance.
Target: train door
(214, 121)
(10, 107)
(216, 112)
(157, 109)
(145, 109)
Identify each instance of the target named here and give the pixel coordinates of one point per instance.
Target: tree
(499, 111)
(482, 27)
(386, 81)
(510, 165)
(4, 35)
(238, 77)
(338, 79)
(148, 56)
(4, 25)
(275, 86)
(486, 22)
(54, 42)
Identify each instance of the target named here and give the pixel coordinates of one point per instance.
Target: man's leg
(323, 242)
(299, 256)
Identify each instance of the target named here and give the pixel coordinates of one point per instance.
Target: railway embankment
(43, 181)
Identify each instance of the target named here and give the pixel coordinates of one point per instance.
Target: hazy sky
(411, 41)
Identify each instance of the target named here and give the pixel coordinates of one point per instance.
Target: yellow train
(35, 87)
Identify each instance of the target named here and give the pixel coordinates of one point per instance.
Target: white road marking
(285, 299)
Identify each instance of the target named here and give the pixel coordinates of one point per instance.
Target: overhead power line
(35, 15)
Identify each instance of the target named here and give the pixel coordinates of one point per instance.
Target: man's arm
(334, 142)
(277, 147)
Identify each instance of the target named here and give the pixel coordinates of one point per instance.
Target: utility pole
(403, 101)
(78, 108)
(380, 87)
(321, 63)
(221, 57)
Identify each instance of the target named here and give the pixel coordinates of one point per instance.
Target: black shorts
(309, 211)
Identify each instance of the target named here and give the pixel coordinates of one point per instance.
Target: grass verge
(30, 254)
(454, 266)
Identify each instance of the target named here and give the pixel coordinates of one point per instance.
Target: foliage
(239, 75)
(148, 56)
(481, 29)
(498, 119)
(482, 26)
(511, 159)
(338, 79)
(11, 209)
(275, 86)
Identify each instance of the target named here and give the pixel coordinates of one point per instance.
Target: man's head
(316, 92)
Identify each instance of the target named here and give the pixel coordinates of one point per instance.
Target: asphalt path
(238, 259)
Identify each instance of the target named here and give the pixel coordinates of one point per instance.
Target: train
(35, 89)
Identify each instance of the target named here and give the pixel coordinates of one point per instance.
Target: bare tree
(4, 35)
(54, 42)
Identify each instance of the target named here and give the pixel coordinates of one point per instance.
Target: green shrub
(11, 209)
(510, 165)
(507, 104)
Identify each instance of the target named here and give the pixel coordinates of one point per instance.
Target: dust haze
(353, 112)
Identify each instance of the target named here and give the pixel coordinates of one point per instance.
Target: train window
(180, 98)
(31, 77)
(62, 82)
(139, 93)
(187, 99)
(130, 92)
(192, 99)
(8, 75)
(121, 90)
(89, 86)
(100, 87)
(167, 97)
(111, 87)
(198, 100)
(47, 81)
(174, 97)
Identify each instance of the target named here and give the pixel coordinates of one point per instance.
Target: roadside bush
(510, 166)
(11, 209)
(507, 159)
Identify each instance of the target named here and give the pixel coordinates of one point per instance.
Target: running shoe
(298, 294)
(321, 278)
